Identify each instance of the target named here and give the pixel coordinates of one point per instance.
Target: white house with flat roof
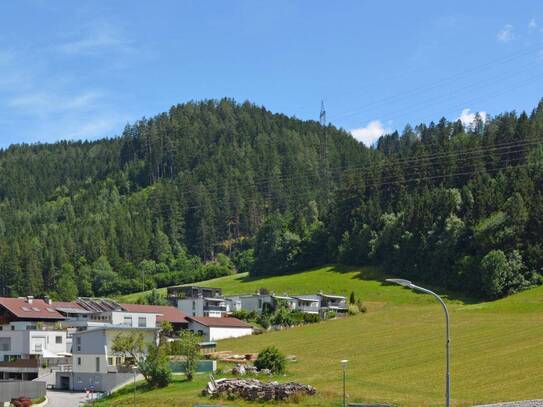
(214, 329)
(94, 363)
(213, 307)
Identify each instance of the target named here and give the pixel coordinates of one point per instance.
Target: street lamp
(344, 366)
(409, 284)
(134, 369)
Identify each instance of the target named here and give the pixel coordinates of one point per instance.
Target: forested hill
(214, 187)
(458, 207)
(164, 198)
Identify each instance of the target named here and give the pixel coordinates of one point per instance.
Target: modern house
(95, 364)
(180, 292)
(213, 329)
(308, 303)
(199, 301)
(335, 303)
(30, 336)
(167, 313)
(259, 303)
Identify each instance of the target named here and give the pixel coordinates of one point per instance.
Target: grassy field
(396, 350)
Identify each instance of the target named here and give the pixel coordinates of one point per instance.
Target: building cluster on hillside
(69, 343)
(209, 302)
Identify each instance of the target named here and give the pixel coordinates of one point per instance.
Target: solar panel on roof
(35, 309)
(50, 309)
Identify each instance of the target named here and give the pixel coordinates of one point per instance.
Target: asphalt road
(65, 399)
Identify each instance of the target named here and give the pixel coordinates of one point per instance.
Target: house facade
(214, 329)
(95, 364)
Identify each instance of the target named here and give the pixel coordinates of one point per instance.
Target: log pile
(255, 390)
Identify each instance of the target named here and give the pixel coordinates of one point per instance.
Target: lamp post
(344, 367)
(409, 284)
(134, 368)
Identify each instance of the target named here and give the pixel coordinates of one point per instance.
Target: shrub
(271, 358)
(330, 314)
(311, 318)
(264, 322)
(361, 307)
(353, 309)
(241, 314)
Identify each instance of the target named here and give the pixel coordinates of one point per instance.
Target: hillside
(167, 195)
(216, 187)
(396, 350)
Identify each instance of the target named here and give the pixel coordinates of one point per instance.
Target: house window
(58, 339)
(200, 332)
(142, 322)
(13, 327)
(127, 321)
(78, 361)
(5, 344)
(260, 303)
(110, 361)
(78, 342)
(193, 304)
(97, 364)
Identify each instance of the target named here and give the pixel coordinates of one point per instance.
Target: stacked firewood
(255, 390)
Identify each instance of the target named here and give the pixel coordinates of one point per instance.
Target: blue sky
(82, 70)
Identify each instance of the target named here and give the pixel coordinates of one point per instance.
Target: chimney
(48, 300)
(29, 299)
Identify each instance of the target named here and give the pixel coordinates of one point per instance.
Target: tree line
(176, 198)
(216, 187)
(454, 205)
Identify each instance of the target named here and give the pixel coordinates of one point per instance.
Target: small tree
(271, 358)
(154, 366)
(166, 329)
(188, 346)
(352, 299)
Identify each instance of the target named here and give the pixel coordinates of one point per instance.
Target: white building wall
(217, 333)
(122, 318)
(25, 343)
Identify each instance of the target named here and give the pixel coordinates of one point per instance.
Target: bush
(361, 307)
(264, 322)
(330, 314)
(311, 318)
(22, 401)
(270, 358)
(241, 314)
(353, 309)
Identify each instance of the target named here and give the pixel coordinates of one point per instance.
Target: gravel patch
(524, 403)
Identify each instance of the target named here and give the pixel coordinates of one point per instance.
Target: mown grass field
(396, 350)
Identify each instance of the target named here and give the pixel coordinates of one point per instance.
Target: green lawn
(396, 350)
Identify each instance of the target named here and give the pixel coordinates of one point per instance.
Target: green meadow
(395, 350)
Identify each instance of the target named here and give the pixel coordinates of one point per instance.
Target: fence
(203, 366)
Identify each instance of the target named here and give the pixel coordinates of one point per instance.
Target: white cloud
(532, 25)
(506, 34)
(467, 117)
(44, 103)
(369, 134)
(99, 37)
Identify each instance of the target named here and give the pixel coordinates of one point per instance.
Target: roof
(310, 299)
(224, 322)
(67, 304)
(339, 297)
(110, 327)
(282, 297)
(164, 312)
(38, 309)
(214, 299)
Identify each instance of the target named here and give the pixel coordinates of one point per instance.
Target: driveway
(65, 398)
